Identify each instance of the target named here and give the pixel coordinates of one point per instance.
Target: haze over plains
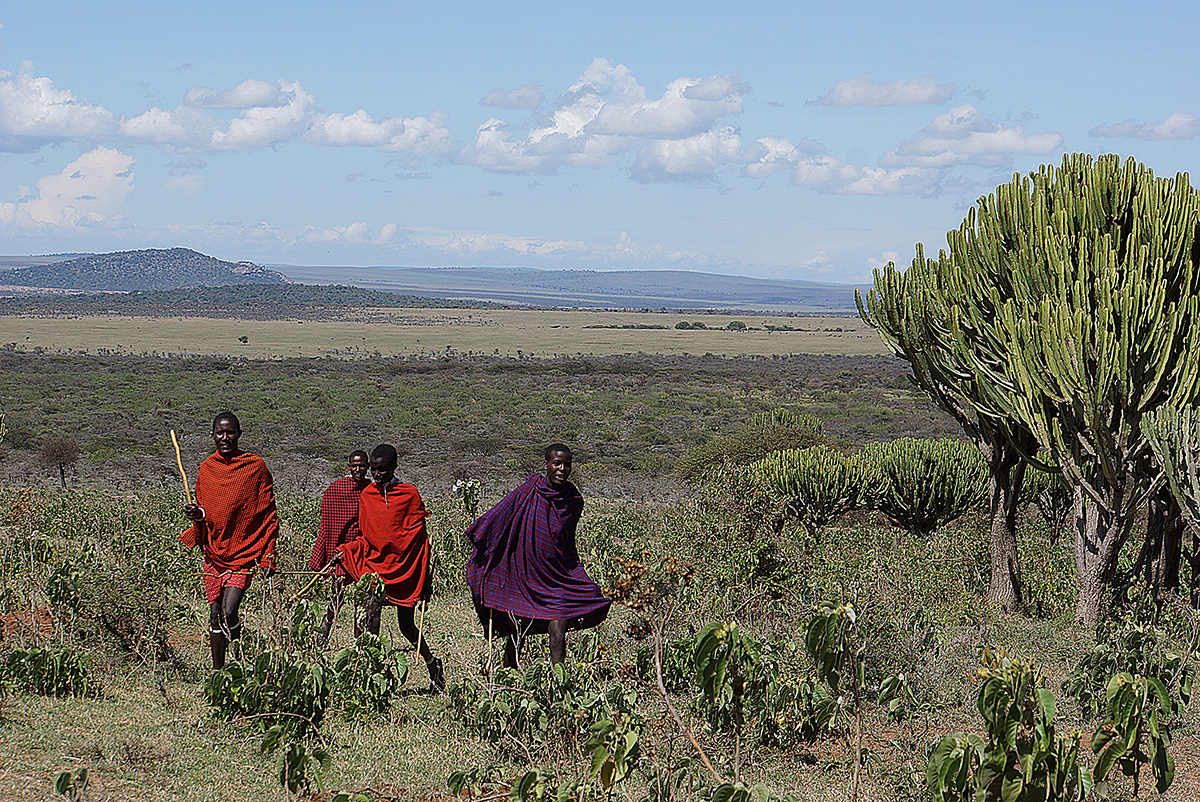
(781, 140)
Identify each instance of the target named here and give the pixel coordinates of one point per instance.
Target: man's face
(381, 471)
(358, 467)
(225, 436)
(558, 467)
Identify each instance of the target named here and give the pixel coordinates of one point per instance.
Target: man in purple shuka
(525, 575)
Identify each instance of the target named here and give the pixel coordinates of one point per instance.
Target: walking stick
(322, 573)
(187, 489)
(421, 625)
(490, 649)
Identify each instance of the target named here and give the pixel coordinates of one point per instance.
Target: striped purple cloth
(526, 566)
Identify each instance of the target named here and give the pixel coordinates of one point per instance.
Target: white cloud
(606, 112)
(358, 233)
(962, 136)
(34, 113)
(528, 96)
(828, 175)
(1179, 125)
(419, 135)
(89, 192)
(184, 129)
(249, 94)
(769, 155)
(863, 91)
(696, 158)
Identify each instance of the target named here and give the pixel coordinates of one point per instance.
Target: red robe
(393, 543)
(240, 525)
(339, 520)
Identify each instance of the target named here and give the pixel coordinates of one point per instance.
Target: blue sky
(791, 140)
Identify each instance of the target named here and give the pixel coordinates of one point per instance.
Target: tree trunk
(1007, 471)
(1164, 543)
(1099, 536)
(62, 475)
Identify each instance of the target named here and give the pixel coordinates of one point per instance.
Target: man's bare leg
(408, 628)
(557, 630)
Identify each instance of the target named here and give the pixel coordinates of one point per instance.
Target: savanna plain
(747, 651)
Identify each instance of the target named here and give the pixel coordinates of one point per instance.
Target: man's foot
(437, 680)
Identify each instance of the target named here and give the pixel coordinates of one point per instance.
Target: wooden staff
(490, 649)
(323, 572)
(421, 625)
(187, 489)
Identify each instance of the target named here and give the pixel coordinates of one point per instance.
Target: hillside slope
(145, 270)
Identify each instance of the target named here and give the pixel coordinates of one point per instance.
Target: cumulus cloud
(921, 91)
(607, 112)
(249, 94)
(34, 113)
(356, 233)
(416, 135)
(1179, 125)
(696, 158)
(769, 155)
(90, 192)
(528, 96)
(962, 136)
(829, 175)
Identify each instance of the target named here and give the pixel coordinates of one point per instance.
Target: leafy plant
(814, 486)
(298, 765)
(368, 674)
(272, 689)
(1023, 757)
(1135, 733)
(59, 671)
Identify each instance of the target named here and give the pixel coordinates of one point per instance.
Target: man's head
(226, 431)
(357, 465)
(383, 464)
(558, 463)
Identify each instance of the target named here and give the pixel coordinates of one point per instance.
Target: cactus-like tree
(813, 486)
(939, 315)
(1174, 436)
(922, 484)
(1102, 326)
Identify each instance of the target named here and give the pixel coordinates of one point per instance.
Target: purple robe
(525, 570)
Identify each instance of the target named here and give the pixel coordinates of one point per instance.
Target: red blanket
(393, 543)
(339, 520)
(240, 526)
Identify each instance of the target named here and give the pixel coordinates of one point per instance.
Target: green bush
(923, 484)
(814, 486)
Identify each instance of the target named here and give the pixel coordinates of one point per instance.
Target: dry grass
(421, 332)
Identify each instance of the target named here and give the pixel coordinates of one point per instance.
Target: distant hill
(654, 289)
(145, 270)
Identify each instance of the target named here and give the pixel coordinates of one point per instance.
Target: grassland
(434, 332)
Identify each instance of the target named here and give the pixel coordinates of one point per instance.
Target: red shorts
(215, 581)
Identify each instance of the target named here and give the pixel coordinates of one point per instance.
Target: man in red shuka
(339, 524)
(394, 545)
(235, 525)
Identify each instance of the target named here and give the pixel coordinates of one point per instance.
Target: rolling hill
(129, 271)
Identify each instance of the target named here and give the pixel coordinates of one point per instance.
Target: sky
(798, 140)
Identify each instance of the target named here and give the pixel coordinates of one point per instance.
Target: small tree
(814, 486)
(923, 484)
(61, 453)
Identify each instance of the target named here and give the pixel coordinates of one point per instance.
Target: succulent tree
(922, 484)
(937, 316)
(1100, 328)
(813, 486)
(1174, 436)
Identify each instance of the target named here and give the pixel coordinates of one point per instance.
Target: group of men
(525, 575)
